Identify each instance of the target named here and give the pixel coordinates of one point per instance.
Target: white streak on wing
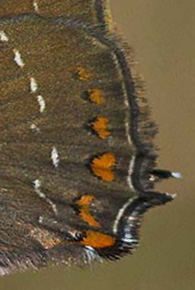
(55, 157)
(127, 129)
(35, 5)
(126, 103)
(33, 85)
(37, 186)
(40, 99)
(3, 36)
(120, 214)
(18, 59)
(131, 167)
(41, 102)
(34, 127)
(127, 126)
(40, 220)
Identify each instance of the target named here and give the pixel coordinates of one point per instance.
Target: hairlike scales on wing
(76, 153)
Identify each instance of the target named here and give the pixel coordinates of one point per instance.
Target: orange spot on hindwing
(100, 127)
(96, 96)
(88, 218)
(84, 210)
(102, 166)
(98, 240)
(85, 200)
(82, 74)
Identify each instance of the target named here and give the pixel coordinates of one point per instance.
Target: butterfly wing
(74, 157)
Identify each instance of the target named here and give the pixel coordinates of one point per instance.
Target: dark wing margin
(127, 223)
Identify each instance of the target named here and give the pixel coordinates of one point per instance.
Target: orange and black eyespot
(97, 240)
(95, 96)
(82, 207)
(102, 166)
(106, 245)
(100, 126)
(81, 74)
(85, 200)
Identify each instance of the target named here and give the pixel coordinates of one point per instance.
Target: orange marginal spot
(82, 74)
(88, 218)
(85, 200)
(100, 126)
(84, 212)
(96, 96)
(98, 240)
(102, 166)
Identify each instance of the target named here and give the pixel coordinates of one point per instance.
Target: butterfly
(76, 146)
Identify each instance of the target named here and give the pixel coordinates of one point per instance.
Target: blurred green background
(162, 34)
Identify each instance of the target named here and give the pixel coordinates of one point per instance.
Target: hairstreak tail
(76, 153)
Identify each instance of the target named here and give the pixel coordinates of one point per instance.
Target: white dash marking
(35, 5)
(37, 186)
(3, 36)
(33, 85)
(127, 128)
(41, 102)
(55, 157)
(130, 171)
(40, 220)
(18, 59)
(120, 214)
(34, 127)
(127, 125)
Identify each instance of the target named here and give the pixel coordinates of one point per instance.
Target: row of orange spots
(84, 210)
(95, 95)
(101, 166)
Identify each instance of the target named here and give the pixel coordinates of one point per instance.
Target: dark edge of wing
(142, 129)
